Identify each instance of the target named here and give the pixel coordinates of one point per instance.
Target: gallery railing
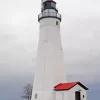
(49, 14)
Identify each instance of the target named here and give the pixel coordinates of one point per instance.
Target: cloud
(19, 39)
(81, 42)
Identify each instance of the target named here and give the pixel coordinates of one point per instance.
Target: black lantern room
(49, 10)
(49, 4)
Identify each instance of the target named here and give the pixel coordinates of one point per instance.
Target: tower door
(77, 95)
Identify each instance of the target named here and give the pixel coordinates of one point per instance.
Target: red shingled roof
(67, 86)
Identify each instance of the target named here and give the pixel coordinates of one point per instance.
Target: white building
(50, 63)
(70, 91)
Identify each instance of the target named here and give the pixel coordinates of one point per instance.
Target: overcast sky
(19, 29)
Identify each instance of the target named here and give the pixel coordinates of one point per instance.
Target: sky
(19, 35)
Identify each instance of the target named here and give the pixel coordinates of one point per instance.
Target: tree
(27, 91)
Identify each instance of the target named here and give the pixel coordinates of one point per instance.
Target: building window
(57, 23)
(83, 96)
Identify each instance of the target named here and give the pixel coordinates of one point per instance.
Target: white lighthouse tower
(50, 63)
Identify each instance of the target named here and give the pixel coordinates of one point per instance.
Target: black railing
(49, 14)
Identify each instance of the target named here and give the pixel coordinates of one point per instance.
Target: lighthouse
(50, 73)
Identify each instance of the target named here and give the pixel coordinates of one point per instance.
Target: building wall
(50, 63)
(71, 93)
(61, 95)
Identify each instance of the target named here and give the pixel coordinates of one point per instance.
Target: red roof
(67, 86)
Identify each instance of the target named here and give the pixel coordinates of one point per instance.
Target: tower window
(83, 96)
(57, 23)
(36, 95)
(53, 5)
